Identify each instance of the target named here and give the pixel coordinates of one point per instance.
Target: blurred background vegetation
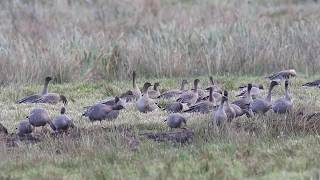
(89, 40)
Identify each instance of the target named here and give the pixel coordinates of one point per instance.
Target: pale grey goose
(175, 120)
(61, 122)
(219, 117)
(144, 103)
(154, 93)
(99, 112)
(229, 110)
(190, 97)
(174, 92)
(260, 105)
(51, 98)
(284, 104)
(30, 99)
(284, 74)
(38, 117)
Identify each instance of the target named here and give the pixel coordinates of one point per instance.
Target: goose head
(63, 110)
(274, 83)
(146, 86)
(48, 78)
(155, 86)
(261, 86)
(117, 107)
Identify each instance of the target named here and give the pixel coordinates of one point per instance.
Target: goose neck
(45, 88)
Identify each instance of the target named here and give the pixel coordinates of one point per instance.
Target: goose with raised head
(133, 94)
(99, 112)
(38, 117)
(190, 97)
(144, 103)
(174, 92)
(263, 105)
(30, 99)
(204, 106)
(255, 91)
(24, 128)
(244, 103)
(61, 122)
(175, 120)
(230, 111)
(219, 117)
(284, 104)
(282, 75)
(154, 93)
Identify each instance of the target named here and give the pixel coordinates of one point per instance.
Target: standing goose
(174, 92)
(263, 105)
(133, 94)
(61, 122)
(154, 93)
(255, 91)
(24, 128)
(220, 117)
(175, 120)
(144, 103)
(229, 110)
(204, 106)
(30, 99)
(284, 104)
(244, 103)
(190, 97)
(99, 112)
(285, 74)
(38, 117)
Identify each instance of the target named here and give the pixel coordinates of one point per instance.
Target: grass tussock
(90, 40)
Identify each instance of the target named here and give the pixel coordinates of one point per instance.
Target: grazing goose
(133, 94)
(30, 99)
(220, 117)
(284, 104)
(229, 110)
(244, 103)
(285, 74)
(24, 128)
(204, 106)
(174, 92)
(99, 112)
(61, 122)
(255, 91)
(111, 102)
(263, 105)
(315, 83)
(154, 93)
(190, 97)
(144, 103)
(175, 120)
(173, 107)
(38, 117)
(51, 98)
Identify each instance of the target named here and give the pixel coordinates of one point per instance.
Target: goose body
(204, 106)
(263, 105)
(38, 117)
(144, 103)
(173, 107)
(99, 112)
(51, 98)
(24, 127)
(32, 98)
(244, 103)
(61, 122)
(284, 104)
(220, 117)
(174, 92)
(190, 97)
(175, 120)
(282, 75)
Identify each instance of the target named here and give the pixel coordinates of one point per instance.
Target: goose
(213, 85)
(51, 98)
(173, 107)
(38, 117)
(284, 104)
(30, 99)
(135, 92)
(154, 93)
(144, 103)
(61, 122)
(99, 112)
(111, 102)
(175, 120)
(244, 103)
(220, 117)
(190, 97)
(255, 91)
(174, 92)
(263, 105)
(315, 83)
(204, 106)
(24, 128)
(284, 74)
(229, 110)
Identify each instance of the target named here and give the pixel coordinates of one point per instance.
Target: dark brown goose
(32, 98)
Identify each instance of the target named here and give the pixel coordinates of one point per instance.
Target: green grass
(108, 154)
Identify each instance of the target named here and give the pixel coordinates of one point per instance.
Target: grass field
(259, 148)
